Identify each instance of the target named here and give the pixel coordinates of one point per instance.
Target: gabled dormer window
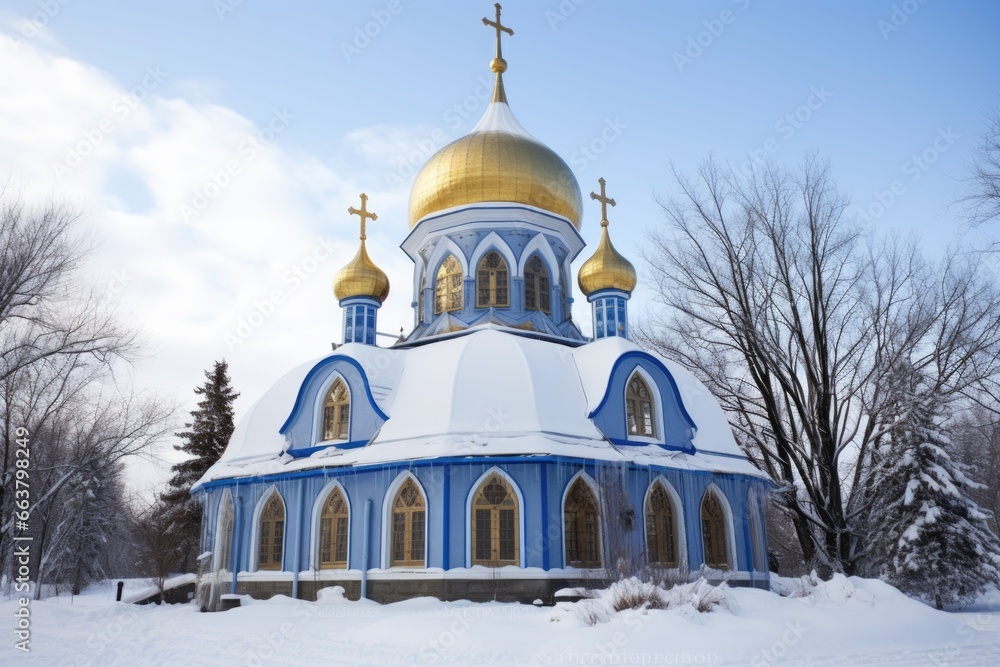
(337, 412)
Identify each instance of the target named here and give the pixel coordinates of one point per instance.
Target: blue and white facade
(495, 451)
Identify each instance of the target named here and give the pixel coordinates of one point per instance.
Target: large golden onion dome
(361, 277)
(607, 268)
(499, 161)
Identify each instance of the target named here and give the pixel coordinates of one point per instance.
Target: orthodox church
(494, 452)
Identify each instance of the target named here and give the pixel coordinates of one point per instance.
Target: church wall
(447, 485)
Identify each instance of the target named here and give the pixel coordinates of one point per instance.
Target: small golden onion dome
(361, 278)
(607, 269)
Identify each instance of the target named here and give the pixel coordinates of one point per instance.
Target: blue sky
(621, 90)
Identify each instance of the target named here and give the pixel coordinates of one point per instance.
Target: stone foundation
(477, 590)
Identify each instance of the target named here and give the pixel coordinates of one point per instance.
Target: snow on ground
(843, 622)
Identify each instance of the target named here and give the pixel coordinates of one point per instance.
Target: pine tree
(204, 439)
(939, 544)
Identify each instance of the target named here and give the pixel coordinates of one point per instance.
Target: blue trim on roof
(309, 451)
(661, 445)
(659, 364)
(588, 464)
(313, 372)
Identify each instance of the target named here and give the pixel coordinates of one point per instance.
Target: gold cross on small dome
(605, 200)
(364, 213)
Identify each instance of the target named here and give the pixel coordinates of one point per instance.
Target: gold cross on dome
(499, 28)
(364, 213)
(605, 200)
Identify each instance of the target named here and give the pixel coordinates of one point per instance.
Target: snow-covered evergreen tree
(204, 439)
(939, 546)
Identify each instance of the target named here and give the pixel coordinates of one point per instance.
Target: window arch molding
(317, 515)
(470, 497)
(599, 501)
(728, 525)
(387, 502)
(490, 242)
(539, 246)
(441, 251)
(679, 523)
(255, 533)
(321, 396)
(656, 407)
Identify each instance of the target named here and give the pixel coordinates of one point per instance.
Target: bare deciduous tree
(982, 202)
(158, 548)
(773, 297)
(60, 346)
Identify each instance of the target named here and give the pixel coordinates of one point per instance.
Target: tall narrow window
(713, 532)
(639, 408)
(336, 412)
(224, 535)
(492, 283)
(333, 527)
(580, 521)
(408, 524)
(536, 286)
(661, 528)
(271, 534)
(448, 287)
(495, 524)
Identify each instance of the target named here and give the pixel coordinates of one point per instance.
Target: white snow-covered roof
(488, 392)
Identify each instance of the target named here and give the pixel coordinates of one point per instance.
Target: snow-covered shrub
(699, 596)
(632, 593)
(702, 596)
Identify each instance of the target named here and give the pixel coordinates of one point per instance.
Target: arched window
(333, 527)
(224, 534)
(580, 521)
(492, 281)
(448, 288)
(639, 408)
(271, 540)
(661, 528)
(408, 524)
(495, 524)
(713, 532)
(336, 412)
(536, 285)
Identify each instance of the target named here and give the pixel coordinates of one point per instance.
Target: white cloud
(277, 223)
